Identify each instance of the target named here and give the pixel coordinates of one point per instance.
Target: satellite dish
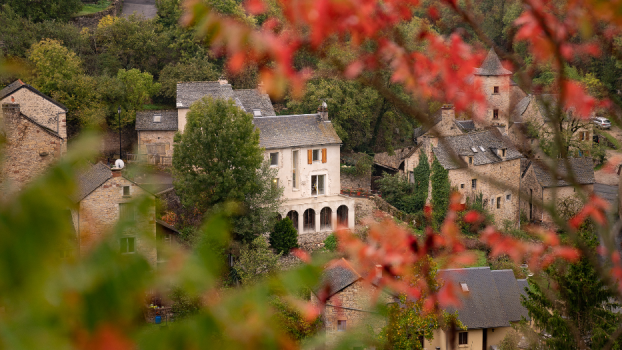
(119, 164)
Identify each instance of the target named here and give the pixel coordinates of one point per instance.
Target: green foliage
(292, 322)
(38, 11)
(136, 88)
(441, 189)
(580, 306)
(330, 242)
(256, 261)
(398, 192)
(284, 237)
(194, 69)
(54, 65)
(94, 8)
(184, 305)
(422, 181)
(362, 165)
(510, 341)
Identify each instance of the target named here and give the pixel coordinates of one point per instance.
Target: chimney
(262, 88)
(222, 80)
(116, 172)
(323, 111)
(448, 112)
(378, 272)
(9, 118)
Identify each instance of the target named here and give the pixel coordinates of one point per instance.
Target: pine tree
(440, 191)
(284, 237)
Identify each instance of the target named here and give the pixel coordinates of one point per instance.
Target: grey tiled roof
(461, 145)
(18, 84)
(247, 99)
(483, 306)
(520, 108)
(253, 99)
(522, 285)
(91, 178)
(337, 277)
(492, 65)
(285, 131)
(145, 120)
(510, 290)
(436, 118)
(582, 168)
(465, 125)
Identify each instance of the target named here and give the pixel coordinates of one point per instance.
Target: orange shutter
(310, 156)
(323, 155)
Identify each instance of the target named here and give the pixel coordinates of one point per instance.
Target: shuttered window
(323, 155)
(310, 156)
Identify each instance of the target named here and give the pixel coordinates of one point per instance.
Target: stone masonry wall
(500, 101)
(91, 20)
(99, 212)
(355, 182)
(29, 149)
(531, 193)
(155, 137)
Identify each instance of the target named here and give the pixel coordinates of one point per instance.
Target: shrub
(284, 237)
(330, 242)
(256, 260)
(184, 305)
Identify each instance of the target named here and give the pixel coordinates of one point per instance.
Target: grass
(479, 262)
(93, 8)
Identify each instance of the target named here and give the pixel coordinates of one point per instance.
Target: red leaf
(255, 7)
(472, 216)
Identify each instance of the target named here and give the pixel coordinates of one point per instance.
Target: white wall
(181, 119)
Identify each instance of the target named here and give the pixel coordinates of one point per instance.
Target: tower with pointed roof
(496, 84)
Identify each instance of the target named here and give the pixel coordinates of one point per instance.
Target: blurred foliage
(256, 261)
(441, 189)
(38, 11)
(330, 243)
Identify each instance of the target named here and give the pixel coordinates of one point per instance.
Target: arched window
(293, 216)
(342, 216)
(326, 219)
(308, 220)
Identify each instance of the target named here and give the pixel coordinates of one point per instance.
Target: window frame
(317, 181)
(295, 176)
(314, 153)
(498, 202)
(474, 184)
(495, 90)
(274, 156)
(124, 245)
(463, 338)
(342, 325)
(495, 114)
(129, 191)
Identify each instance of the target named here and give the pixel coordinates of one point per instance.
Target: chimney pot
(116, 172)
(323, 111)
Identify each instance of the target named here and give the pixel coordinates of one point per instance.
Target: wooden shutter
(323, 155)
(310, 156)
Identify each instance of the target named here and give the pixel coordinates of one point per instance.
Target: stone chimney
(9, 119)
(448, 112)
(323, 111)
(116, 172)
(222, 80)
(262, 88)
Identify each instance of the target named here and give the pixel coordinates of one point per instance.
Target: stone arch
(342, 215)
(293, 216)
(308, 220)
(326, 219)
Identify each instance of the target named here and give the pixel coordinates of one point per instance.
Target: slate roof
(18, 84)
(436, 118)
(492, 300)
(91, 179)
(285, 131)
(582, 168)
(522, 285)
(519, 109)
(168, 120)
(492, 66)
(247, 99)
(394, 161)
(465, 125)
(337, 276)
(461, 145)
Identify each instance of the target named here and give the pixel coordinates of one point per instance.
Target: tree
(136, 88)
(194, 69)
(38, 11)
(54, 65)
(397, 191)
(422, 181)
(441, 189)
(572, 305)
(256, 261)
(284, 237)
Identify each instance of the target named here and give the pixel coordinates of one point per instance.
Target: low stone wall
(356, 182)
(384, 206)
(91, 20)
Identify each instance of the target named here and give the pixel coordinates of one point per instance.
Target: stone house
(38, 107)
(103, 197)
(156, 132)
(305, 149)
(29, 150)
(348, 303)
(538, 186)
(473, 160)
(490, 304)
(400, 162)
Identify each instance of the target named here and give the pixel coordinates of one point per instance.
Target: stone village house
(36, 134)
(105, 196)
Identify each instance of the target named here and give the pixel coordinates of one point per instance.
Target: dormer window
(464, 287)
(256, 112)
(157, 118)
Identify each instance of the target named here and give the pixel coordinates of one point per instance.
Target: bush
(255, 261)
(330, 242)
(284, 237)
(184, 305)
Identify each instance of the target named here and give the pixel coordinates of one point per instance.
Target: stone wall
(91, 20)
(384, 206)
(531, 196)
(356, 182)
(156, 137)
(99, 212)
(500, 100)
(29, 151)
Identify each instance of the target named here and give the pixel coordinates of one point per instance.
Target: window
(127, 245)
(498, 202)
(341, 325)
(295, 169)
(274, 159)
(157, 118)
(461, 185)
(495, 114)
(126, 212)
(256, 112)
(474, 183)
(470, 160)
(464, 287)
(316, 155)
(495, 90)
(275, 183)
(317, 184)
(583, 135)
(463, 338)
(126, 190)
(508, 197)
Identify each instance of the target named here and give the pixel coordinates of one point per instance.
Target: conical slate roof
(492, 65)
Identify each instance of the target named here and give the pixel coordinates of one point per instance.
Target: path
(146, 8)
(607, 192)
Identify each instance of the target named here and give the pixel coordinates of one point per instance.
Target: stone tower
(495, 81)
